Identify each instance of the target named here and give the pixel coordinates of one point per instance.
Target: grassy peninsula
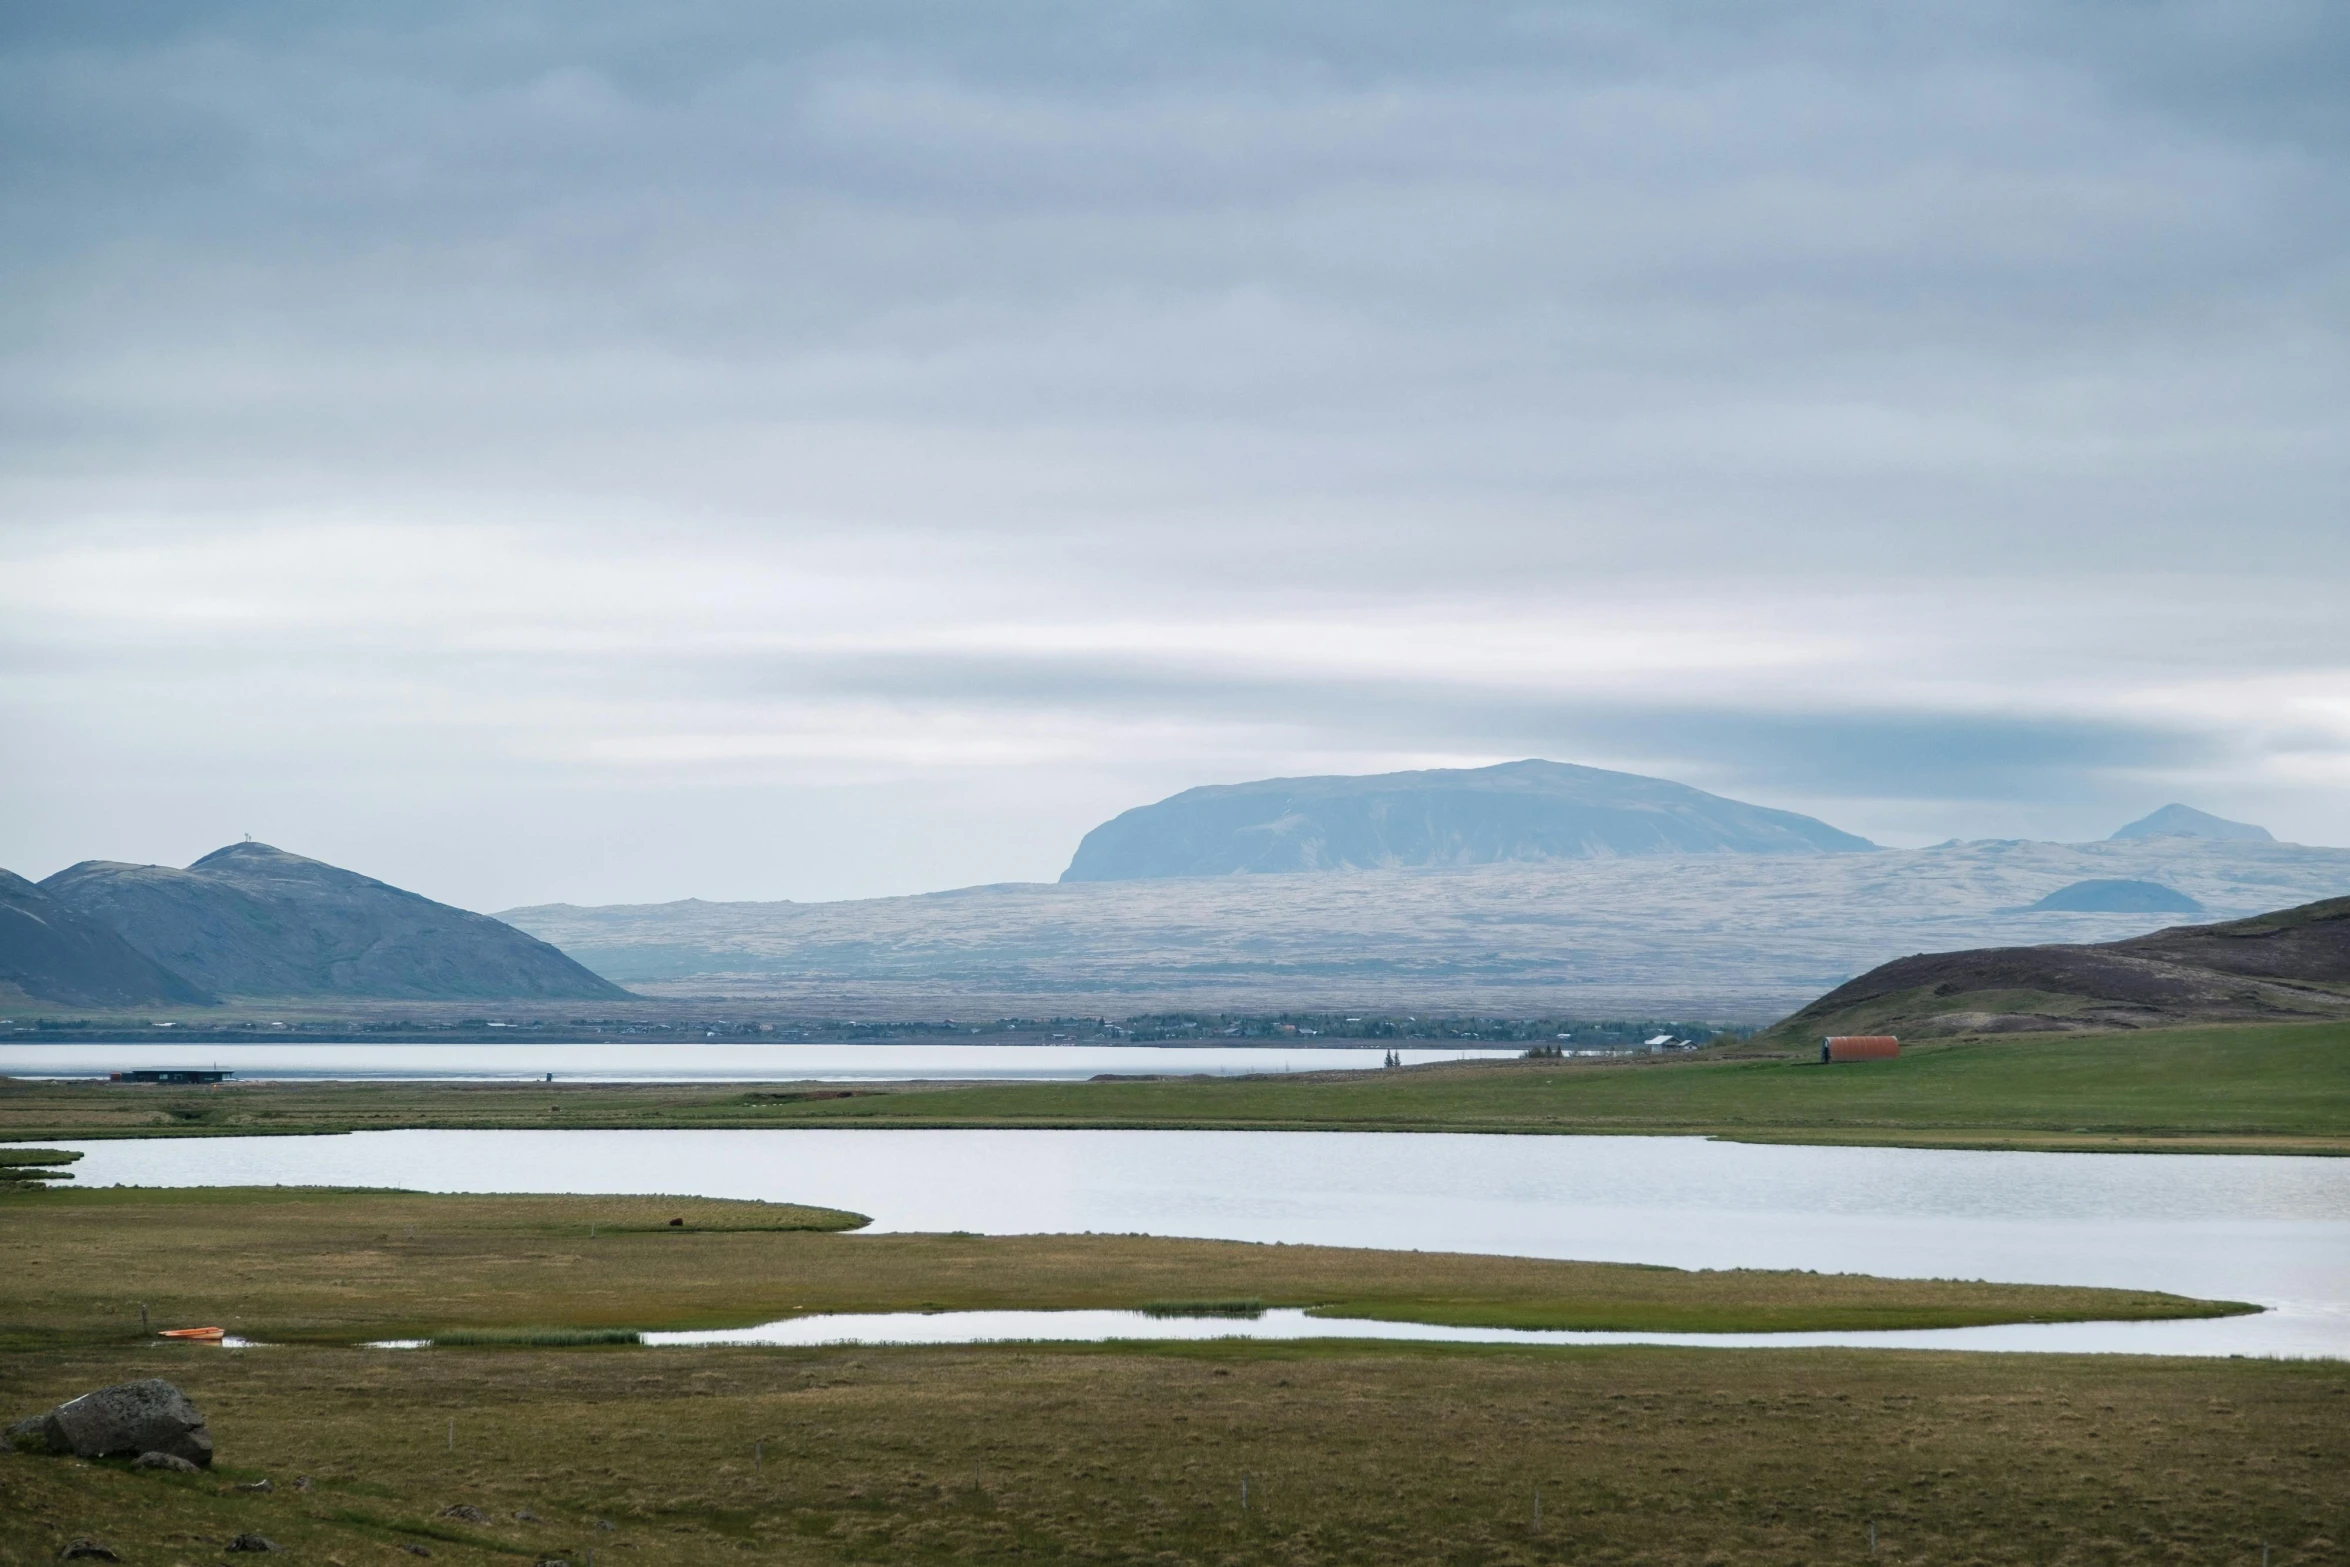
(289, 1264)
(1350, 1452)
(2217, 1089)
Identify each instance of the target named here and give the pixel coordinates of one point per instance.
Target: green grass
(35, 1164)
(534, 1338)
(2214, 1087)
(1248, 1307)
(282, 1266)
(2218, 1089)
(1354, 1454)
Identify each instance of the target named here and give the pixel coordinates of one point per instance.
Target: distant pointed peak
(242, 847)
(250, 852)
(2184, 821)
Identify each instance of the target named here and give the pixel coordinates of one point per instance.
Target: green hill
(252, 920)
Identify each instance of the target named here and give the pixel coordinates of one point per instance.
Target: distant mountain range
(252, 920)
(1530, 887)
(1727, 937)
(2293, 964)
(1517, 812)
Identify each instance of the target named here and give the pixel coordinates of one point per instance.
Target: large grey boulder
(124, 1421)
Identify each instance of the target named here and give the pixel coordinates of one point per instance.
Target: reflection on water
(1093, 1327)
(2272, 1230)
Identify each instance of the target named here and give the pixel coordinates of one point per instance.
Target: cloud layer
(567, 452)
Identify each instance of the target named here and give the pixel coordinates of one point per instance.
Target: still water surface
(2271, 1230)
(1096, 1327)
(697, 1062)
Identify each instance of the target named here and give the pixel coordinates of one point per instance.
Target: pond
(2273, 1230)
(703, 1063)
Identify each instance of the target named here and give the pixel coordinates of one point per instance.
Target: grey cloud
(1372, 310)
(1848, 754)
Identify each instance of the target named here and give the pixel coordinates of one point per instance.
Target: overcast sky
(604, 452)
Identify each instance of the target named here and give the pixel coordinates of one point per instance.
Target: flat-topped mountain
(2292, 964)
(1516, 812)
(2184, 821)
(50, 953)
(251, 920)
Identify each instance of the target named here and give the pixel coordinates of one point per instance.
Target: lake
(2273, 1230)
(694, 1062)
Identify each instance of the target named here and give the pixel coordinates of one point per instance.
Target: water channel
(2272, 1230)
(704, 1062)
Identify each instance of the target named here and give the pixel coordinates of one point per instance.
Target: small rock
(301, 1482)
(262, 1485)
(464, 1512)
(677, 1224)
(525, 1515)
(170, 1461)
(122, 1421)
(606, 1523)
(250, 1542)
(415, 1550)
(86, 1550)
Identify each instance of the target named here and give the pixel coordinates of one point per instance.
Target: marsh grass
(1250, 1307)
(1125, 1454)
(531, 1338)
(290, 1264)
(36, 1164)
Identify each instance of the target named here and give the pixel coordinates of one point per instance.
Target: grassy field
(1350, 1454)
(2217, 1089)
(342, 1266)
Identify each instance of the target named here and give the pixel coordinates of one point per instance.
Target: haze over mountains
(1531, 887)
(252, 920)
(1525, 811)
(1728, 937)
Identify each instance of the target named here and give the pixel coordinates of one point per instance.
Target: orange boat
(207, 1334)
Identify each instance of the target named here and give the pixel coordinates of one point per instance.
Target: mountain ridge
(253, 920)
(49, 952)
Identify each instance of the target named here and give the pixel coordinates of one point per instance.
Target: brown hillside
(2294, 963)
